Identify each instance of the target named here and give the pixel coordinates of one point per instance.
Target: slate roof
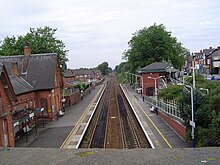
(83, 71)
(155, 67)
(207, 52)
(216, 53)
(69, 73)
(39, 73)
(20, 85)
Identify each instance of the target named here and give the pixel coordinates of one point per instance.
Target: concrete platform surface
(186, 156)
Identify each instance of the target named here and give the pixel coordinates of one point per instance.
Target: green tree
(41, 40)
(121, 70)
(154, 44)
(103, 67)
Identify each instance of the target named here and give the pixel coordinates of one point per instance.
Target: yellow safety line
(151, 122)
(80, 119)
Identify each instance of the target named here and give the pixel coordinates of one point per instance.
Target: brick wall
(147, 82)
(54, 102)
(175, 125)
(72, 99)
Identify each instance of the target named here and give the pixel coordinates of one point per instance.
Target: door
(5, 133)
(150, 91)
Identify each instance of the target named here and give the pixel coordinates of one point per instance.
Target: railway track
(114, 124)
(98, 136)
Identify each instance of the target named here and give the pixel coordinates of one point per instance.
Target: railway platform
(161, 135)
(54, 133)
(76, 134)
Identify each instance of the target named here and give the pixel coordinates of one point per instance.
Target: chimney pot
(27, 49)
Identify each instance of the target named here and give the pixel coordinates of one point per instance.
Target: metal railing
(175, 81)
(168, 106)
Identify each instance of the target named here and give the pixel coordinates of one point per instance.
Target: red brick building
(36, 81)
(69, 77)
(7, 96)
(154, 74)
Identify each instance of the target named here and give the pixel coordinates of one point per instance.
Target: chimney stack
(14, 69)
(27, 49)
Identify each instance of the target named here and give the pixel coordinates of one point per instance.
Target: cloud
(95, 30)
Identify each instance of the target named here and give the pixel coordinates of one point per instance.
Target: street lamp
(155, 84)
(141, 82)
(193, 67)
(192, 123)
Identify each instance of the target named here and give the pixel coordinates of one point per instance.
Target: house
(84, 75)
(7, 96)
(36, 80)
(68, 77)
(215, 61)
(71, 95)
(206, 54)
(199, 61)
(98, 76)
(206, 61)
(155, 76)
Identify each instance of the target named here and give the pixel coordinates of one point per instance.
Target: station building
(35, 83)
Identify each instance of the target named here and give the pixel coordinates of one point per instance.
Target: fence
(168, 106)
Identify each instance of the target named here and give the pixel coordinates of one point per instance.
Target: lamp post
(155, 85)
(193, 67)
(192, 123)
(136, 80)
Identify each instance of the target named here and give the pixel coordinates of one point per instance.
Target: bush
(172, 92)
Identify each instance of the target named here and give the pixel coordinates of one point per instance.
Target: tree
(41, 40)
(103, 67)
(120, 71)
(154, 44)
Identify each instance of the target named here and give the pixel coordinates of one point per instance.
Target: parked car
(215, 78)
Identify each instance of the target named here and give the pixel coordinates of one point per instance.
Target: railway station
(164, 145)
(118, 117)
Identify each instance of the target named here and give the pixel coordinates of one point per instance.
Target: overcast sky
(95, 31)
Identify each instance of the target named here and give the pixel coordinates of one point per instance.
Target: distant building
(215, 61)
(208, 60)
(72, 77)
(199, 61)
